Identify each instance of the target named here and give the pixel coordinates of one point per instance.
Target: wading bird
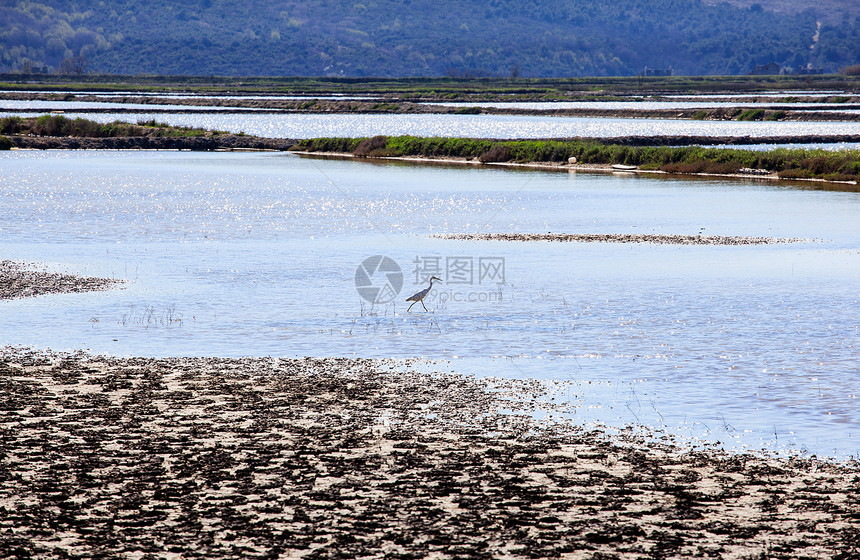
(419, 296)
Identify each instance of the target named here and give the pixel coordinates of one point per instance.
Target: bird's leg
(410, 307)
(424, 306)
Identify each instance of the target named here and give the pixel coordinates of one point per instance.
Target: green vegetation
(438, 89)
(5, 143)
(751, 115)
(468, 111)
(58, 125)
(456, 38)
(790, 164)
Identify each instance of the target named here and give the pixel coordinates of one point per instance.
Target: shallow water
(467, 126)
(38, 105)
(235, 254)
(11, 105)
(642, 105)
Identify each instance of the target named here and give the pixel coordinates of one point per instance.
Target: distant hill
(528, 38)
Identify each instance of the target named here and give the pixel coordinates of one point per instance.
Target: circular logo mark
(378, 279)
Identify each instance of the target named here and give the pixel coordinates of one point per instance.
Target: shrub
(342, 145)
(789, 163)
(153, 123)
(5, 143)
(50, 125)
(751, 115)
(702, 166)
(795, 174)
(371, 147)
(853, 70)
(11, 125)
(692, 167)
(498, 153)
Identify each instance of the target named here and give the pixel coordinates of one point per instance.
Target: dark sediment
(623, 238)
(341, 458)
(19, 280)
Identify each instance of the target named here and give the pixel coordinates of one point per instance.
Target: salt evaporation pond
(468, 126)
(642, 105)
(255, 254)
(9, 105)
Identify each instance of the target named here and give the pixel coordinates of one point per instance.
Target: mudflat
(657, 239)
(23, 280)
(358, 458)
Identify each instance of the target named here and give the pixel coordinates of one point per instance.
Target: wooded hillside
(529, 38)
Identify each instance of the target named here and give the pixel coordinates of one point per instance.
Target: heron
(419, 296)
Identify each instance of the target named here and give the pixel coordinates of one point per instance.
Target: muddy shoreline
(656, 239)
(18, 280)
(336, 458)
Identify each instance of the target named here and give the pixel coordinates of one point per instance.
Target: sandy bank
(343, 458)
(23, 280)
(624, 238)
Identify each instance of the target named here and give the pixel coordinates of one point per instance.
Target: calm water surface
(236, 254)
(635, 105)
(36, 105)
(467, 126)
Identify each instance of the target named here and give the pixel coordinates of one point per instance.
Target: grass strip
(453, 88)
(840, 165)
(59, 125)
